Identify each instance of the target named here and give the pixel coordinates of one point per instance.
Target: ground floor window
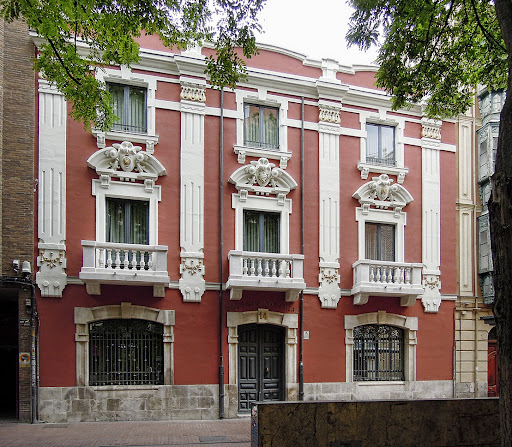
(378, 353)
(126, 352)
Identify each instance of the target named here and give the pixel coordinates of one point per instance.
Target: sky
(315, 28)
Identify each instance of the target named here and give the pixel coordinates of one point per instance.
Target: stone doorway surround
(262, 316)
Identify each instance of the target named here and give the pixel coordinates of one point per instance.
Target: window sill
(142, 138)
(108, 388)
(273, 154)
(366, 168)
(381, 383)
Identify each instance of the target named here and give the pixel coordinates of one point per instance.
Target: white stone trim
(191, 282)
(261, 97)
(86, 315)
(264, 316)
(265, 204)
(128, 191)
(381, 216)
(329, 292)
(431, 215)
(399, 124)
(51, 228)
(125, 76)
(409, 324)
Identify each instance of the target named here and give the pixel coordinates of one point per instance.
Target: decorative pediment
(262, 178)
(381, 194)
(126, 162)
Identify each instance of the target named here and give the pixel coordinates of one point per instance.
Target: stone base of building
(128, 403)
(346, 391)
(201, 402)
(468, 390)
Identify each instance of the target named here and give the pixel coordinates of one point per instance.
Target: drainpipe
(301, 309)
(221, 250)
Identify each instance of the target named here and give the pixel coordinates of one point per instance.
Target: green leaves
(432, 51)
(109, 28)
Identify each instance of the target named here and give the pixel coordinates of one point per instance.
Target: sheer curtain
(380, 242)
(261, 126)
(261, 231)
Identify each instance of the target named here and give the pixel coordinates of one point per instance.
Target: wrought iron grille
(378, 353)
(125, 352)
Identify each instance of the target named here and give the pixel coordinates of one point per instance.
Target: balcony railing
(265, 271)
(131, 264)
(383, 278)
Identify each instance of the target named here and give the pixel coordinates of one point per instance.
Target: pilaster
(431, 212)
(192, 283)
(51, 277)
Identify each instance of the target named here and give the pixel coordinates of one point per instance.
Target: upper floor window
(378, 353)
(126, 352)
(261, 231)
(261, 126)
(130, 107)
(380, 242)
(127, 221)
(380, 144)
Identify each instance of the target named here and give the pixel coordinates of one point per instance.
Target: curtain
(380, 242)
(387, 141)
(380, 144)
(117, 93)
(261, 231)
(137, 114)
(261, 126)
(269, 133)
(127, 221)
(372, 142)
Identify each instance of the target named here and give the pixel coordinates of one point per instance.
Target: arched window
(378, 353)
(126, 352)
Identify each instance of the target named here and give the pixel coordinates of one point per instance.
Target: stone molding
(329, 114)
(86, 315)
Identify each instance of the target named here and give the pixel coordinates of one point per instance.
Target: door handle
(267, 371)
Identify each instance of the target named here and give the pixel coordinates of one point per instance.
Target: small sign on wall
(24, 359)
(306, 335)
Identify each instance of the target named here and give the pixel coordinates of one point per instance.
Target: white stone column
(431, 213)
(51, 277)
(191, 283)
(329, 291)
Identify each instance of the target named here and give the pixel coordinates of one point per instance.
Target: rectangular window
(126, 352)
(261, 231)
(127, 221)
(130, 107)
(380, 144)
(380, 242)
(378, 353)
(261, 126)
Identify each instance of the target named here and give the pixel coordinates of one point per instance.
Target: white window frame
(125, 76)
(126, 191)
(410, 326)
(386, 217)
(261, 98)
(365, 167)
(264, 204)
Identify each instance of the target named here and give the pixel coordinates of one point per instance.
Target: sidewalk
(217, 433)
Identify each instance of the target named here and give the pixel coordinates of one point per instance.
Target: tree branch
(490, 38)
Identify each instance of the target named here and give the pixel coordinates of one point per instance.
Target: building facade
(290, 239)
(17, 306)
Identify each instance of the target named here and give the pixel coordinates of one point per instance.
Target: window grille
(261, 231)
(130, 107)
(378, 353)
(380, 144)
(125, 352)
(261, 127)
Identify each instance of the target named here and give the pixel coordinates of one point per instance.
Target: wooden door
(260, 364)
(492, 369)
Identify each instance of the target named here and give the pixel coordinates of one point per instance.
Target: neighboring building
(475, 363)
(173, 250)
(17, 316)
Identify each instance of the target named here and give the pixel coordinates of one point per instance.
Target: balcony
(265, 271)
(126, 264)
(382, 278)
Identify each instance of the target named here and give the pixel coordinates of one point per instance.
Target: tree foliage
(110, 28)
(432, 50)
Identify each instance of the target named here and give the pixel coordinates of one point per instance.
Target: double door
(260, 364)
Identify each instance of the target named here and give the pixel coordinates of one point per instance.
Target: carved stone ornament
(431, 298)
(381, 194)
(329, 114)
(193, 92)
(431, 129)
(262, 178)
(51, 277)
(329, 291)
(126, 162)
(191, 283)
